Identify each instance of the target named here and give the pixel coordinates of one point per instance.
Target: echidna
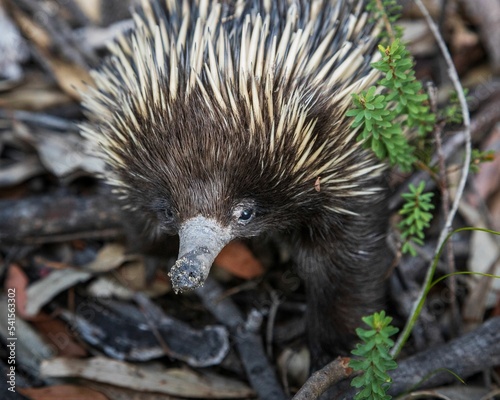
(223, 120)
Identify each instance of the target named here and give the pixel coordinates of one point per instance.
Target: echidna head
(211, 175)
(220, 124)
(208, 176)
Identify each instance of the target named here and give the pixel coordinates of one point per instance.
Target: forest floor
(91, 321)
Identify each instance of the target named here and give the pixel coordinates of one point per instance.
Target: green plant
(381, 130)
(429, 283)
(452, 113)
(404, 89)
(416, 217)
(478, 157)
(398, 104)
(374, 359)
(388, 11)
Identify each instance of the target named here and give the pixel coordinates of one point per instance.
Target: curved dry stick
(326, 377)
(452, 73)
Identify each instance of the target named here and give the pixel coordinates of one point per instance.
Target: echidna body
(227, 120)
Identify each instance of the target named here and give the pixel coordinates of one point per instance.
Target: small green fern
(398, 103)
(374, 359)
(416, 217)
(403, 87)
(382, 131)
(385, 112)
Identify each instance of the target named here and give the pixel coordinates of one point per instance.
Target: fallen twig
(40, 120)
(321, 380)
(58, 217)
(247, 340)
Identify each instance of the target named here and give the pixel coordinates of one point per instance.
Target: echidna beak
(201, 240)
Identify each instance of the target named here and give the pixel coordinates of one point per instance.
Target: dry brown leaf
(482, 255)
(103, 12)
(462, 38)
(44, 290)
(16, 279)
(62, 392)
(118, 393)
(147, 377)
(59, 334)
(31, 31)
(419, 38)
(91, 8)
(237, 259)
(133, 275)
(36, 94)
(71, 78)
(109, 257)
(21, 171)
(33, 99)
(129, 278)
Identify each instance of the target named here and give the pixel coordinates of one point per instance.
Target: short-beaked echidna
(223, 120)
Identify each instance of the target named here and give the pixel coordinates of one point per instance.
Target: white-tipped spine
(250, 72)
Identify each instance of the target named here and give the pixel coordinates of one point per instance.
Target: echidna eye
(246, 215)
(169, 214)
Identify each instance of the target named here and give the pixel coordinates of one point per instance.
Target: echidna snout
(201, 239)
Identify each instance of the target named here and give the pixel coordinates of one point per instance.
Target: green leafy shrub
(416, 217)
(374, 359)
(382, 132)
(403, 87)
(387, 111)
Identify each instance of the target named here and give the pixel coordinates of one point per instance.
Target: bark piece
(123, 331)
(43, 219)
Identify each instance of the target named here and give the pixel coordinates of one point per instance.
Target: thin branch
(246, 338)
(487, 116)
(326, 377)
(273, 311)
(452, 72)
(385, 17)
(445, 202)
